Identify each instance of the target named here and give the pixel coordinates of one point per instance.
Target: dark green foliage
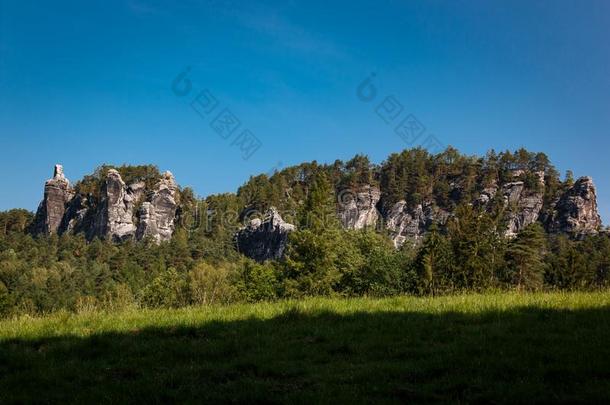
(257, 282)
(6, 304)
(313, 263)
(92, 184)
(15, 221)
(478, 248)
(379, 269)
(435, 265)
(167, 290)
(525, 258)
(578, 265)
(318, 214)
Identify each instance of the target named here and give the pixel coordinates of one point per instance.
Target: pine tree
(319, 210)
(525, 258)
(434, 263)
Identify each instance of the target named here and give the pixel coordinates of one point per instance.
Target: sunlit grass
(497, 347)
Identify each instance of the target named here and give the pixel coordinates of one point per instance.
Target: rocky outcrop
(358, 210)
(118, 211)
(523, 207)
(76, 218)
(57, 194)
(115, 219)
(487, 195)
(406, 224)
(264, 239)
(576, 212)
(113, 215)
(157, 215)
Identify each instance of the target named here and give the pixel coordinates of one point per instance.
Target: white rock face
(58, 173)
(411, 224)
(524, 209)
(359, 210)
(115, 220)
(576, 211)
(157, 216)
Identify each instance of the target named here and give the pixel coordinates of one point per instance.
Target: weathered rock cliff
(264, 239)
(406, 224)
(358, 210)
(523, 206)
(157, 215)
(576, 212)
(118, 211)
(113, 215)
(57, 193)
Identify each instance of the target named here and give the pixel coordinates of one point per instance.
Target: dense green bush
(167, 290)
(257, 282)
(210, 284)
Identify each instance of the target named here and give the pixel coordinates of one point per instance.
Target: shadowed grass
(496, 347)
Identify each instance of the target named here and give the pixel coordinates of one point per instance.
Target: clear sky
(86, 83)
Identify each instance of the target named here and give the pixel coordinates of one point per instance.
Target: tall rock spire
(57, 194)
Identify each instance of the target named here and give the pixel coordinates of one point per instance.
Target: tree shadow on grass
(526, 354)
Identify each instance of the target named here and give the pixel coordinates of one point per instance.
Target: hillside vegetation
(467, 348)
(200, 265)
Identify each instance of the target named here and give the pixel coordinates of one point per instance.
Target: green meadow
(497, 347)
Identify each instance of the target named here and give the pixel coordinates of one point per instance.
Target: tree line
(201, 266)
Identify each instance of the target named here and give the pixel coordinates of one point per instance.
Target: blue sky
(86, 83)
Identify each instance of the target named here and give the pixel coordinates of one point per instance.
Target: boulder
(264, 239)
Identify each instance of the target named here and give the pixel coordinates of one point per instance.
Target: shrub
(165, 291)
(211, 284)
(5, 300)
(257, 282)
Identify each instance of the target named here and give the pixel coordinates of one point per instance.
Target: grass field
(473, 348)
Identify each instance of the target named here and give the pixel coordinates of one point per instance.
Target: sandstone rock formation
(157, 215)
(576, 212)
(264, 239)
(119, 211)
(114, 214)
(76, 216)
(523, 208)
(487, 195)
(410, 225)
(358, 210)
(57, 193)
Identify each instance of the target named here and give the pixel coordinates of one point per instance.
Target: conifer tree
(525, 258)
